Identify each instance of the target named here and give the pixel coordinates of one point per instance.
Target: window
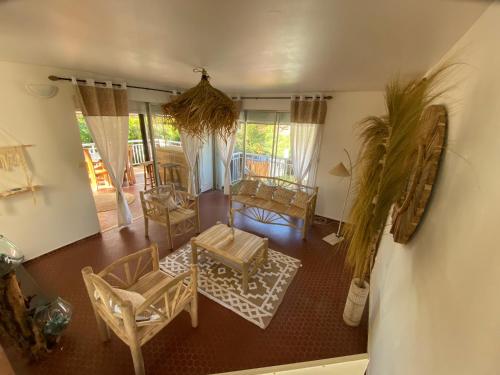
(262, 145)
(165, 133)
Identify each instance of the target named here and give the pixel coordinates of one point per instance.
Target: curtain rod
(56, 78)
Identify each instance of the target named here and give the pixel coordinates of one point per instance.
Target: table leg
(194, 274)
(266, 249)
(245, 277)
(194, 253)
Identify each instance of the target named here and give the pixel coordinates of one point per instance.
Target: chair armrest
(235, 188)
(186, 200)
(311, 198)
(101, 294)
(311, 202)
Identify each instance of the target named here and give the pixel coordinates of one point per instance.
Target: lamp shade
(340, 170)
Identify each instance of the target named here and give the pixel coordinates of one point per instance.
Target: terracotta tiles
(307, 326)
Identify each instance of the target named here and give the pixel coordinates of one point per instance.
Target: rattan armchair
(179, 217)
(161, 299)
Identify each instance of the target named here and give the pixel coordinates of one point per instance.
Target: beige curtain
(226, 147)
(306, 117)
(191, 147)
(106, 114)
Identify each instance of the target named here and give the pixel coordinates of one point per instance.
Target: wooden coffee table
(245, 253)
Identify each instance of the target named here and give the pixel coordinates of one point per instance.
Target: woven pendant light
(203, 109)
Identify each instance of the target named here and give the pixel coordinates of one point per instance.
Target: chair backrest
(127, 270)
(153, 200)
(90, 169)
(275, 181)
(88, 161)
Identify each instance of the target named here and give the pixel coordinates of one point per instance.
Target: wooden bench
(271, 210)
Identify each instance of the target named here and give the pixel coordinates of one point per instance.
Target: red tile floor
(307, 326)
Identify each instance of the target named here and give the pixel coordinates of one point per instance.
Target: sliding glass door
(262, 146)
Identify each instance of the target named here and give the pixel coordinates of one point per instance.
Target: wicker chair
(176, 210)
(161, 299)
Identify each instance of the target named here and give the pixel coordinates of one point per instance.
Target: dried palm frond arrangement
(388, 145)
(203, 110)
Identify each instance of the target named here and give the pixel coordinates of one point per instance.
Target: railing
(137, 149)
(262, 165)
(137, 152)
(165, 143)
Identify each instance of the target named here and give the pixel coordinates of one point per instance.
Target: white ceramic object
(41, 90)
(355, 304)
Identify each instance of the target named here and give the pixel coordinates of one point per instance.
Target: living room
(244, 226)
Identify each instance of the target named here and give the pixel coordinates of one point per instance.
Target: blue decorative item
(54, 317)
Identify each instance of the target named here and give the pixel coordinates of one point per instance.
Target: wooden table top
(240, 249)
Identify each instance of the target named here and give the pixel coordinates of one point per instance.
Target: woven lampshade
(202, 110)
(340, 170)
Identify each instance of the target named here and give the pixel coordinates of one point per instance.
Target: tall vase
(356, 301)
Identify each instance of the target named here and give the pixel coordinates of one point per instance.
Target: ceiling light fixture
(203, 109)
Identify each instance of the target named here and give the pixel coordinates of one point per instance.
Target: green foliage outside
(259, 140)
(84, 130)
(163, 129)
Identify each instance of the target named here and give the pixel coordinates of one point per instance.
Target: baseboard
(62, 247)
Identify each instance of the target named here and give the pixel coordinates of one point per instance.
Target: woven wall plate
(408, 212)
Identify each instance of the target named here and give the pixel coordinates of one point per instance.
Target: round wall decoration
(408, 212)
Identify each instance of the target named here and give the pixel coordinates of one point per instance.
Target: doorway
(100, 183)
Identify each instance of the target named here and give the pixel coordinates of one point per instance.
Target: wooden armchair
(176, 210)
(136, 303)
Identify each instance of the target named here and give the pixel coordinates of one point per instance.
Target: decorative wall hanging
(203, 110)
(13, 158)
(408, 212)
(389, 143)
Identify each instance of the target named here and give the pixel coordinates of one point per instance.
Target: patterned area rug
(221, 284)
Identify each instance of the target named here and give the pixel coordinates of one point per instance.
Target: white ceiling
(262, 46)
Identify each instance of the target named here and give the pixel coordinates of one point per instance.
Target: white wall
(64, 211)
(435, 306)
(345, 110)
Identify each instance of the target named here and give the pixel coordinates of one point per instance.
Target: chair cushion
(248, 187)
(242, 198)
(265, 192)
(167, 199)
(135, 298)
(300, 199)
(283, 196)
(270, 205)
(295, 211)
(180, 214)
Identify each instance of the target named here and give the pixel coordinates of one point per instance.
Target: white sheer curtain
(191, 147)
(226, 148)
(106, 114)
(306, 116)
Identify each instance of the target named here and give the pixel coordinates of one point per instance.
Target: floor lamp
(340, 170)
